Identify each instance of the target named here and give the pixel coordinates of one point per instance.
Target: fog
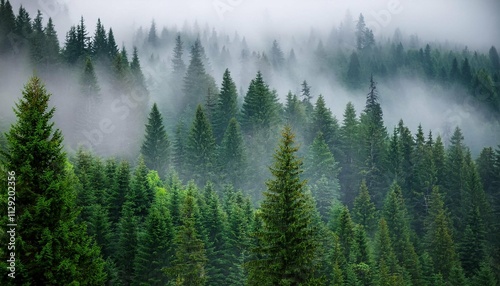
(301, 25)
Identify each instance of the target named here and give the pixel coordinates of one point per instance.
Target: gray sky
(472, 23)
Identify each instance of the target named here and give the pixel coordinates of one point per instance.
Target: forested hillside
(180, 160)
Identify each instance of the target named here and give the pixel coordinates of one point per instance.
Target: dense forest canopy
(190, 156)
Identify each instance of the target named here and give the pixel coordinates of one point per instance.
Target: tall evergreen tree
(364, 211)
(373, 136)
(188, 266)
(156, 145)
(287, 240)
(88, 80)
(179, 67)
(55, 248)
(155, 241)
(349, 160)
(200, 148)
(260, 107)
(227, 105)
(232, 156)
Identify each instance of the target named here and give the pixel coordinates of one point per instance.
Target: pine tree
(126, 246)
(260, 107)
(454, 182)
(354, 71)
(396, 216)
(55, 247)
(112, 47)
(156, 145)
(117, 192)
(179, 67)
(349, 160)
(197, 82)
(287, 239)
(323, 121)
(485, 276)
(232, 156)
(100, 42)
(155, 249)
(180, 149)
(140, 193)
(227, 105)
(188, 266)
(438, 239)
(321, 171)
(51, 45)
(214, 222)
(384, 253)
(138, 80)
(88, 81)
(153, 39)
(364, 212)
(200, 148)
(277, 57)
(373, 136)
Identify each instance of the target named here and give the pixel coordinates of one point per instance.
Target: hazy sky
(472, 23)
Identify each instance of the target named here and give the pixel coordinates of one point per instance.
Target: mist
(298, 25)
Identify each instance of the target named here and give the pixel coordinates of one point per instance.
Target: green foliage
(364, 211)
(155, 147)
(232, 155)
(287, 239)
(188, 266)
(54, 246)
(200, 156)
(227, 105)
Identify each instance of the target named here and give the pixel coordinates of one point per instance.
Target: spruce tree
(364, 211)
(232, 155)
(287, 239)
(155, 147)
(53, 247)
(227, 105)
(200, 148)
(349, 156)
(323, 121)
(88, 81)
(126, 244)
(260, 107)
(188, 266)
(373, 138)
(155, 241)
(179, 67)
(100, 42)
(438, 239)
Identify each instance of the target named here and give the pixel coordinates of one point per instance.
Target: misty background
(225, 27)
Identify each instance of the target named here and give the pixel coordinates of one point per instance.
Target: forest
(199, 158)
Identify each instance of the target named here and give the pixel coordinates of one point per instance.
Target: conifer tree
(88, 81)
(126, 244)
(227, 105)
(349, 160)
(112, 47)
(260, 107)
(232, 155)
(179, 67)
(323, 121)
(373, 136)
(155, 147)
(364, 211)
(287, 239)
(200, 147)
(438, 239)
(188, 266)
(197, 82)
(55, 248)
(155, 241)
(100, 42)
(322, 171)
